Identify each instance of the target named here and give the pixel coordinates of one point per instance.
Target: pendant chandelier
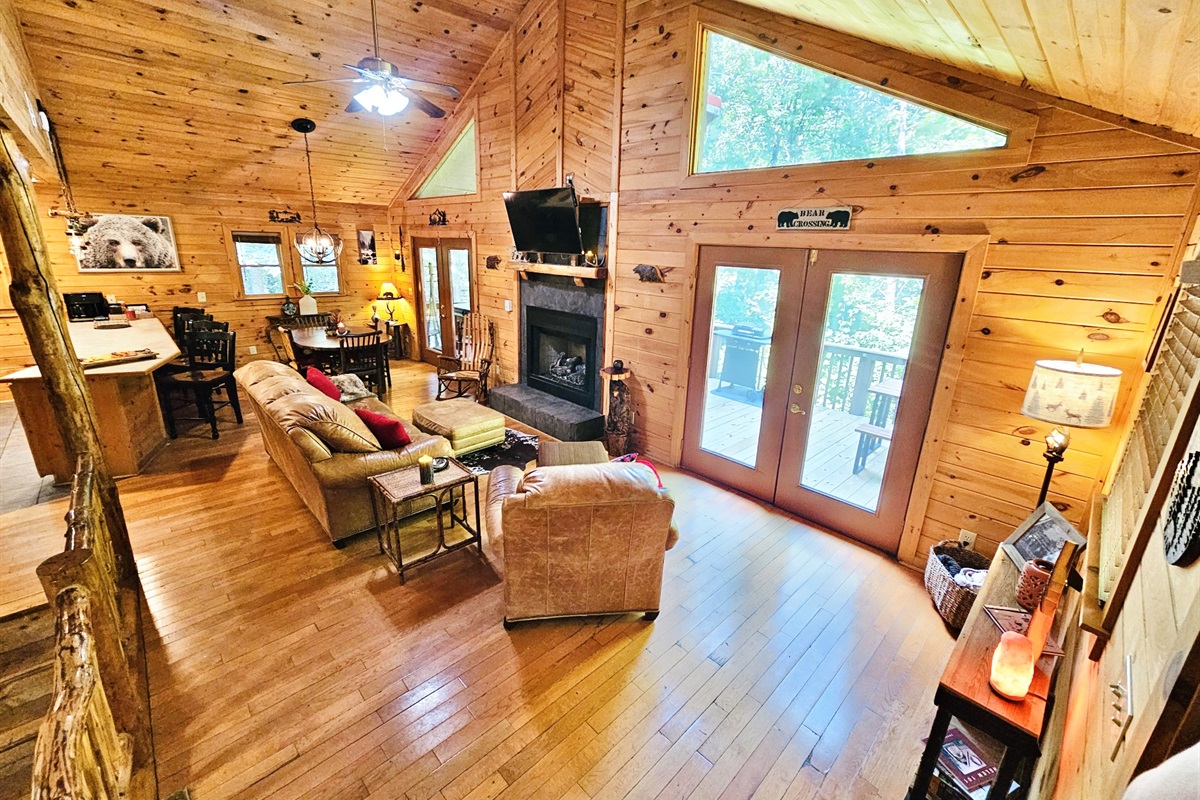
(316, 246)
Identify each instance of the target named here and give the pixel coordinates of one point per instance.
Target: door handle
(797, 389)
(796, 409)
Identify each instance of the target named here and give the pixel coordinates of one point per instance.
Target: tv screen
(544, 220)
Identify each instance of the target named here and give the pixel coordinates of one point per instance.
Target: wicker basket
(953, 602)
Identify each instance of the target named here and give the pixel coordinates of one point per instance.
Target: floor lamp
(1069, 394)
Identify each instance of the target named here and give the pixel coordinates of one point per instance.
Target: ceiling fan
(388, 91)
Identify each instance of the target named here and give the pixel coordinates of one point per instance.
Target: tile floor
(20, 486)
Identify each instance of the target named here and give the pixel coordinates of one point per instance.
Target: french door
(445, 292)
(812, 376)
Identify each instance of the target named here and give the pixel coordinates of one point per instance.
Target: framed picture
(1043, 534)
(125, 243)
(366, 248)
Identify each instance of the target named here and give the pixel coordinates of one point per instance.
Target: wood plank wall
(200, 222)
(1078, 257)
(520, 98)
(1159, 626)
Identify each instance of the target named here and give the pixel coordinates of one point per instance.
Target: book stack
(964, 770)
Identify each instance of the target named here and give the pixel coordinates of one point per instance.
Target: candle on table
(425, 466)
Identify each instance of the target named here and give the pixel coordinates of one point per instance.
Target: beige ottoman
(468, 425)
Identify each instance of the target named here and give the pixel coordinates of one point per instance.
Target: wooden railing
(95, 740)
(846, 374)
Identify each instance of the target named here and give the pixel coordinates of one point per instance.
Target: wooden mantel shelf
(578, 274)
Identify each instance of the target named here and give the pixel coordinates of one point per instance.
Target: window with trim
(260, 263)
(455, 174)
(757, 109)
(268, 264)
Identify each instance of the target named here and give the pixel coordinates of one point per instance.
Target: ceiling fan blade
(323, 80)
(424, 105)
(426, 86)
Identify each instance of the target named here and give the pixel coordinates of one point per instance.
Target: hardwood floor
(787, 662)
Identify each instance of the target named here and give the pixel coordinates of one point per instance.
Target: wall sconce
(1069, 393)
(1012, 666)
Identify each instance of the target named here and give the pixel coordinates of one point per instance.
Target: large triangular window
(455, 175)
(763, 110)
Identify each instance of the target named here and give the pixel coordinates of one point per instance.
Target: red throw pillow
(388, 430)
(320, 381)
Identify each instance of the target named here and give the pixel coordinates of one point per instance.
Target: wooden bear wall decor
(438, 217)
(648, 273)
(285, 217)
(493, 262)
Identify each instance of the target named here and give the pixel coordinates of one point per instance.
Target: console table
(964, 692)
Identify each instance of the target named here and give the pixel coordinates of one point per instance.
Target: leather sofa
(580, 539)
(298, 422)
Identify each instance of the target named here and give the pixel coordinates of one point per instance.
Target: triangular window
(763, 110)
(455, 175)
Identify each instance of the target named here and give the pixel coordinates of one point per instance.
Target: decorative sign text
(824, 218)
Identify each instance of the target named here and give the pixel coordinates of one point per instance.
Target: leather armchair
(581, 539)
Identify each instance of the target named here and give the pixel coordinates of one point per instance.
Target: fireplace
(560, 354)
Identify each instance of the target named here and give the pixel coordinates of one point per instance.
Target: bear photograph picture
(126, 243)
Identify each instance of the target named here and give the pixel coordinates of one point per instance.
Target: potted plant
(308, 304)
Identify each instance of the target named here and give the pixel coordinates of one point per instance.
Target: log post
(40, 307)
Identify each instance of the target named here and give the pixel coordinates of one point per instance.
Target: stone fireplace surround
(557, 416)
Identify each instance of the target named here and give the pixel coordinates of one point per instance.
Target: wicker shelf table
(391, 491)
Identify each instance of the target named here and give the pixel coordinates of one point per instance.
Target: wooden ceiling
(185, 95)
(169, 96)
(1138, 58)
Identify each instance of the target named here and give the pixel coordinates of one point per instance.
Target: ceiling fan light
(393, 103)
(371, 97)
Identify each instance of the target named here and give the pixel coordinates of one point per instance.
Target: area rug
(517, 450)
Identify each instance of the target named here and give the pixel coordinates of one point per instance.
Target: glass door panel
(743, 340)
(743, 320)
(431, 298)
(445, 295)
(865, 341)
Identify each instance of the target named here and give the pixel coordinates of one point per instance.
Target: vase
(308, 304)
(1032, 583)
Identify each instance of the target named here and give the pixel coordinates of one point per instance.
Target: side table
(963, 692)
(390, 491)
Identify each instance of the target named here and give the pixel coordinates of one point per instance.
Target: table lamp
(388, 292)
(1012, 666)
(1069, 393)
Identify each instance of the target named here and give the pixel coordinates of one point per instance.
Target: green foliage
(746, 296)
(875, 312)
(779, 112)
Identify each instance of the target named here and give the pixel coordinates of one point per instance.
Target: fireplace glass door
(444, 293)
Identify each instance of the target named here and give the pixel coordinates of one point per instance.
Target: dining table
(322, 343)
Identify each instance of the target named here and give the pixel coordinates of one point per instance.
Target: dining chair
(311, 320)
(362, 355)
(211, 361)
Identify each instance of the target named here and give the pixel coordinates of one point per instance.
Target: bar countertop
(89, 341)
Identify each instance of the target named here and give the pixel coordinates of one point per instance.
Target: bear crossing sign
(829, 218)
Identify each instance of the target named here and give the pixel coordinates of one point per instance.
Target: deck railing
(95, 740)
(847, 373)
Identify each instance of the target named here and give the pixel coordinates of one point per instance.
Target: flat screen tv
(545, 220)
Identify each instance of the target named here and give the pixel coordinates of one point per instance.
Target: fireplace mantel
(578, 274)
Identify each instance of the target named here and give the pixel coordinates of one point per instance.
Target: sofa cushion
(332, 422)
(320, 381)
(388, 430)
(255, 371)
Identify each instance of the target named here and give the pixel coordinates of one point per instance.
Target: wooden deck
(731, 426)
(787, 662)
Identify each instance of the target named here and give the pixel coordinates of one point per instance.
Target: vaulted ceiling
(154, 96)
(186, 95)
(1138, 58)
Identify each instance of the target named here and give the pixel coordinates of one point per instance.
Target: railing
(95, 739)
(847, 373)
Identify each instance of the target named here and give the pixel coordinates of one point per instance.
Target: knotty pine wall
(1079, 241)
(200, 222)
(555, 71)
(1077, 257)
